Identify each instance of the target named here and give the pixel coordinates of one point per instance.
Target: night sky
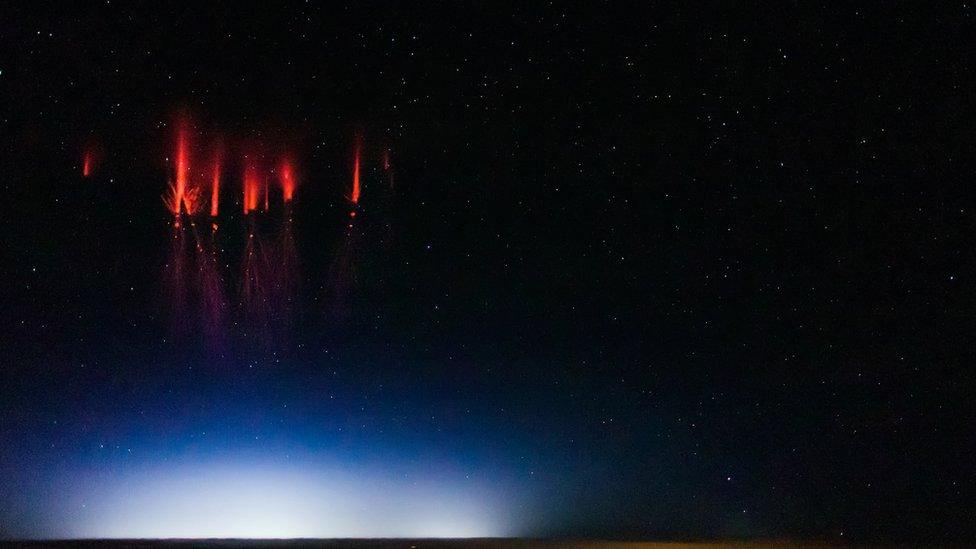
(616, 270)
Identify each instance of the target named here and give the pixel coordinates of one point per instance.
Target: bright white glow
(261, 501)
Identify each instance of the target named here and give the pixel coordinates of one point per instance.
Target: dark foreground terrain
(419, 543)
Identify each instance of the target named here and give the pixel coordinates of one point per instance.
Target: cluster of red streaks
(195, 183)
(175, 201)
(191, 200)
(269, 281)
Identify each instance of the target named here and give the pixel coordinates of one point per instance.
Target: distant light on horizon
(232, 501)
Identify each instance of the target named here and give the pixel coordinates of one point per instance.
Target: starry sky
(634, 270)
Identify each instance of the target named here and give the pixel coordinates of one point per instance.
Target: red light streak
(215, 187)
(182, 163)
(354, 197)
(91, 157)
(252, 188)
(287, 179)
(86, 166)
(179, 197)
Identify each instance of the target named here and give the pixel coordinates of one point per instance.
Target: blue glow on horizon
(229, 499)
